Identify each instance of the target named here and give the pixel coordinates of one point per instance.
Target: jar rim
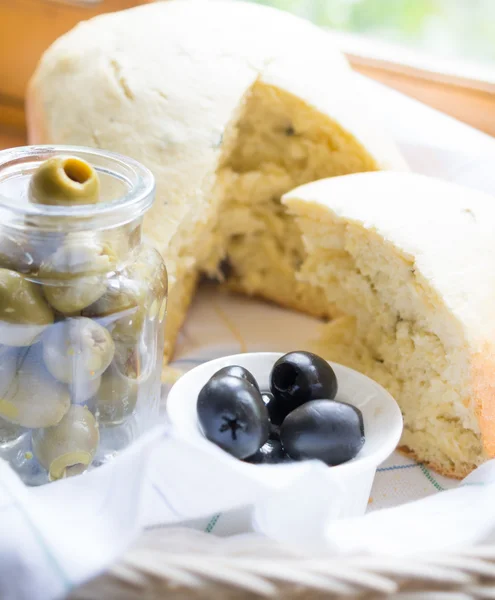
(132, 205)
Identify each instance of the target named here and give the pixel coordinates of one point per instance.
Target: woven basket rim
(192, 564)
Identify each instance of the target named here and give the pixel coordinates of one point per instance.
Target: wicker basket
(182, 563)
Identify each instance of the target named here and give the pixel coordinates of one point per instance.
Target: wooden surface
(10, 137)
(27, 28)
(468, 104)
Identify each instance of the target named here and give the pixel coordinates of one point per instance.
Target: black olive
(273, 406)
(267, 397)
(296, 378)
(327, 430)
(272, 452)
(237, 371)
(233, 416)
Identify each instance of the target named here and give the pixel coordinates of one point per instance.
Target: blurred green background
(448, 28)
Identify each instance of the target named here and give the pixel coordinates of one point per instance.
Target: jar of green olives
(82, 309)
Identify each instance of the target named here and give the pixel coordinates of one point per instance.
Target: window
(456, 29)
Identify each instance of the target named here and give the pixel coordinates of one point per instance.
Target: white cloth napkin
(54, 537)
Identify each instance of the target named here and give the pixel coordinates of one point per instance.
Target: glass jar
(82, 309)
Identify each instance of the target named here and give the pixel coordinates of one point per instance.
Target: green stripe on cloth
(212, 523)
(475, 483)
(396, 468)
(431, 479)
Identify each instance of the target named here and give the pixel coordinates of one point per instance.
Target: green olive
(120, 296)
(64, 180)
(24, 312)
(41, 247)
(116, 398)
(134, 296)
(130, 326)
(122, 307)
(68, 448)
(9, 358)
(127, 359)
(77, 350)
(14, 255)
(75, 275)
(82, 389)
(9, 432)
(70, 297)
(150, 271)
(79, 255)
(33, 398)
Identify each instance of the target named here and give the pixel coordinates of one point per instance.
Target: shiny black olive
(267, 397)
(271, 453)
(237, 371)
(277, 408)
(271, 404)
(327, 430)
(296, 378)
(233, 416)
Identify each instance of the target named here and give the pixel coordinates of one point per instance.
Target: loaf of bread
(230, 105)
(409, 260)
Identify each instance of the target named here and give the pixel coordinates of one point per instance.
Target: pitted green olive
(149, 278)
(8, 367)
(14, 255)
(129, 328)
(70, 297)
(41, 246)
(69, 447)
(63, 180)
(77, 349)
(149, 268)
(123, 307)
(133, 297)
(116, 398)
(119, 300)
(9, 358)
(75, 275)
(33, 398)
(82, 389)
(80, 254)
(24, 312)
(127, 360)
(9, 432)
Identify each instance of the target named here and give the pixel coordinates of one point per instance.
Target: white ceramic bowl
(382, 421)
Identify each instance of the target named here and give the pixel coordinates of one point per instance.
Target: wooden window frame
(464, 91)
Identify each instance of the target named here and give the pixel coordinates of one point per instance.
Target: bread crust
(179, 303)
(458, 473)
(483, 385)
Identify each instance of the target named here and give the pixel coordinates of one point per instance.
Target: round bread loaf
(230, 105)
(409, 260)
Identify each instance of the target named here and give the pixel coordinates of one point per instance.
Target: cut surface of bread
(230, 105)
(278, 144)
(408, 259)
